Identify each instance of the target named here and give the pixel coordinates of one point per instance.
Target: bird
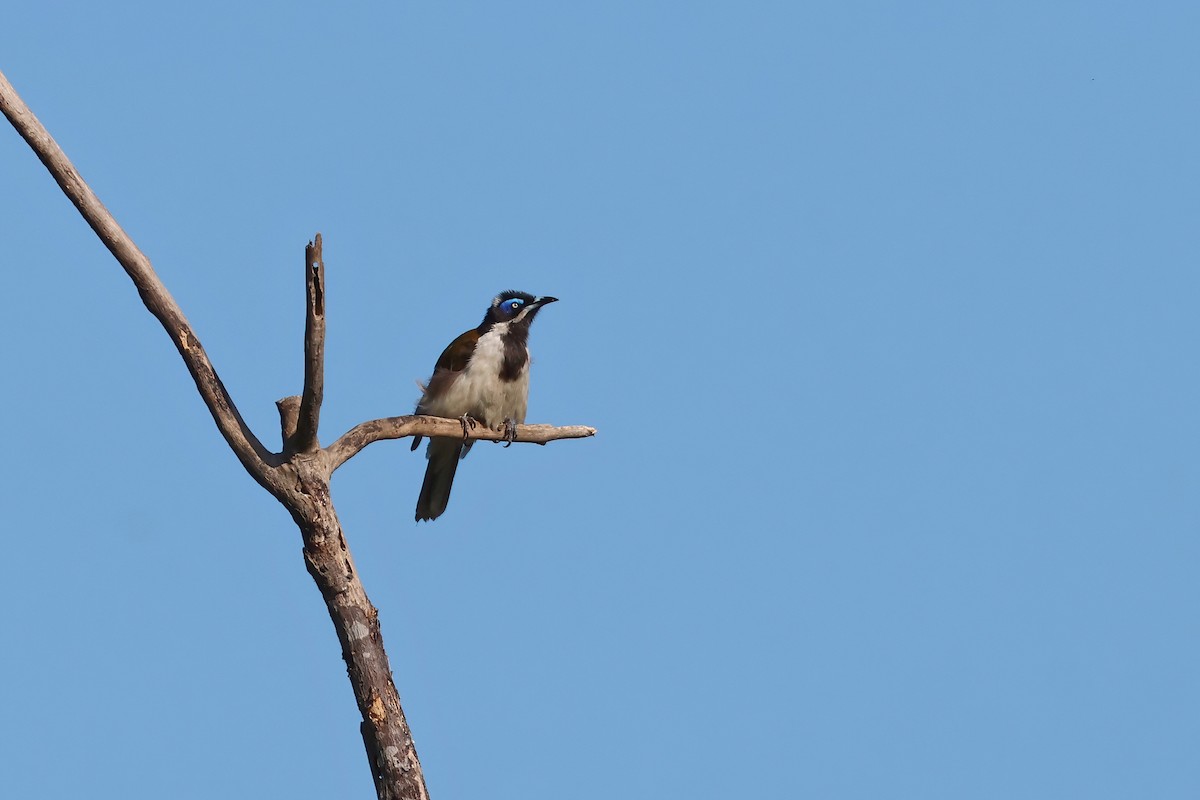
(483, 376)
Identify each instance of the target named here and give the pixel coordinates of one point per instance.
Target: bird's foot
(510, 431)
(468, 425)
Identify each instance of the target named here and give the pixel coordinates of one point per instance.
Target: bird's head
(515, 307)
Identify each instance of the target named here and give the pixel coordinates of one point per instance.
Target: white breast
(478, 390)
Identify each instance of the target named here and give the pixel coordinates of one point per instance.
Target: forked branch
(298, 476)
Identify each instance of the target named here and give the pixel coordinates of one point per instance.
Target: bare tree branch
(254, 457)
(305, 440)
(299, 476)
(376, 430)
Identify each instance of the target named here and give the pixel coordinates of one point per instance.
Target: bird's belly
(479, 392)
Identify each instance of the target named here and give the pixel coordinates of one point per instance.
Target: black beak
(542, 301)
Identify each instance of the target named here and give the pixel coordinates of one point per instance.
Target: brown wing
(456, 356)
(452, 361)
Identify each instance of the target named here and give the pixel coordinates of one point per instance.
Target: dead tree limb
(305, 439)
(254, 457)
(377, 430)
(299, 475)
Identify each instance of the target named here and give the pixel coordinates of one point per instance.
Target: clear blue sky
(885, 312)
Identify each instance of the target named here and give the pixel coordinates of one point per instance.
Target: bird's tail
(443, 455)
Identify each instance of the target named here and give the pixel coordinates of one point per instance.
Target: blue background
(885, 314)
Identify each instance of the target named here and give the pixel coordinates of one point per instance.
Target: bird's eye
(514, 305)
